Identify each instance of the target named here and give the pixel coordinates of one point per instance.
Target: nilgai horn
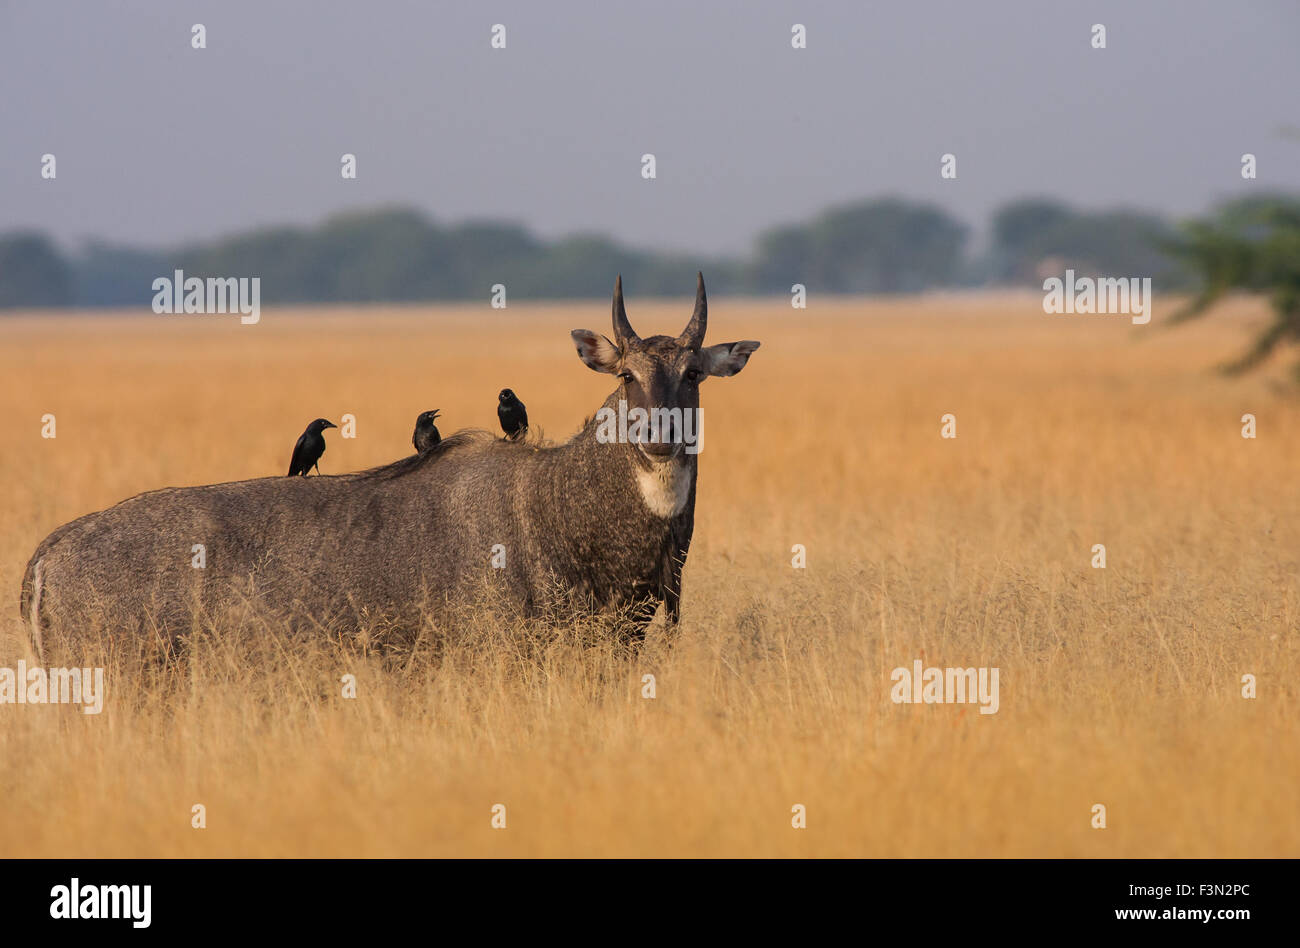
(597, 524)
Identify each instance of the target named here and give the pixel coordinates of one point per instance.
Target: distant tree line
(885, 245)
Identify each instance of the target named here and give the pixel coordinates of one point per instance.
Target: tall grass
(1119, 686)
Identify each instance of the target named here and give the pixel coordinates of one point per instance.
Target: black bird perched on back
(307, 452)
(512, 414)
(426, 432)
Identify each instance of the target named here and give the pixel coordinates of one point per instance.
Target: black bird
(426, 432)
(512, 414)
(307, 452)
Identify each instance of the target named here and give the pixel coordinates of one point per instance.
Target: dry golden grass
(1118, 686)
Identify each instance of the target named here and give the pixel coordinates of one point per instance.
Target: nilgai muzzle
(597, 524)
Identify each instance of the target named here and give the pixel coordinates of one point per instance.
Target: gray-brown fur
(416, 535)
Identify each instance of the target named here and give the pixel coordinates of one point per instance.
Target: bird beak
(330, 424)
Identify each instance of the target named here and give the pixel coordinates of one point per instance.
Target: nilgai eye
(692, 375)
(625, 376)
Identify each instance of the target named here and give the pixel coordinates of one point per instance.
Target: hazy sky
(156, 141)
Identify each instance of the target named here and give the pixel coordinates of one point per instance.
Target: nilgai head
(661, 373)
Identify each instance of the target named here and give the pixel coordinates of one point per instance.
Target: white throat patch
(665, 488)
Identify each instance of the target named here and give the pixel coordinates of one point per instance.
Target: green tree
(33, 272)
(1251, 245)
(880, 246)
(1028, 232)
(1019, 231)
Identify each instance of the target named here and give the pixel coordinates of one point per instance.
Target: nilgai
(594, 525)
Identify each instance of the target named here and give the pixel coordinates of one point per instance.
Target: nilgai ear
(728, 358)
(595, 350)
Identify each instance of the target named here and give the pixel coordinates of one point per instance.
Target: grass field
(1119, 686)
